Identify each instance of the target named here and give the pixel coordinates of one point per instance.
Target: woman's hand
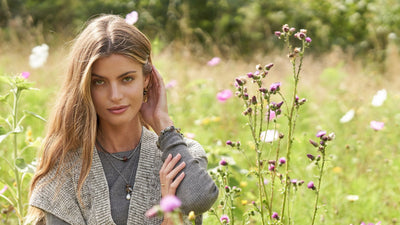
(168, 175)
(169, 180)
(155, 110)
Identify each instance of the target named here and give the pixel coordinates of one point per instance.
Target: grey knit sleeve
(54, 220)
(197, 190)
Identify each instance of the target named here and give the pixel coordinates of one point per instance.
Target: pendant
(128, 191)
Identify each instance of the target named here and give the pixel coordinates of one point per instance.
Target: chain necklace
(128, 187)
(125, 158)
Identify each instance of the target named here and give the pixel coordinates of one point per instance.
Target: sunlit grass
(362, 161)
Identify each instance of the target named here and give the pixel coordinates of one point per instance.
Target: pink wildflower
(224, 219)
(25, 74)
(214, 61)
(171, 84)
(169, 203)
(376, 125)
(224, 95)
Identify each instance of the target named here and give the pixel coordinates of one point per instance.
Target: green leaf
(2, 137)
(2, 130)
(23, 167)
(6, 80)
(20, 164)
(3, 98)
(35, 115)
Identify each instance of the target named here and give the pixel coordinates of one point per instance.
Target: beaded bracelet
(166, 130)
(169, 129)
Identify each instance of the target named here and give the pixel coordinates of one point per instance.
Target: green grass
(361, 161)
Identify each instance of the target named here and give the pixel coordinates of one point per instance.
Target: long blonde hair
(73, 122)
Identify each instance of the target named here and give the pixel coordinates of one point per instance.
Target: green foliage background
(222, 26)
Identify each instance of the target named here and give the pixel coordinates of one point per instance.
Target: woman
(100, 164)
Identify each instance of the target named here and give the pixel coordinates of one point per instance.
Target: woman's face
(117, 85)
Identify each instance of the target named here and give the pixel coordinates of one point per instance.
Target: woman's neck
(119, 139)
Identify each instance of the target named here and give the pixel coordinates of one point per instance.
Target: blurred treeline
(218, 26)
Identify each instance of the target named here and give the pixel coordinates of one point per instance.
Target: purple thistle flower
(282, 160)
(223, 162)
(320, 133)
(310, 157)
(293, 181)
(169, 203)
(229, 142)
(271, 167)
(308, 39)
(275, 215)
(224, 219)
(250, 75)
(275, 86)
(278, 33)
(311, 185)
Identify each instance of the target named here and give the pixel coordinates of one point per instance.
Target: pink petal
(376, 125)
(25, 74)
(224, 95)
(4, 189)
(214, 61)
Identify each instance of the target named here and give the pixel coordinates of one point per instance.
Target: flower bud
(278, 34)
(268, 66)
(259, 67)
(292, 29)
(239, 82)
(281, 135)
(285, 28)
(279, 105)
(282, 161)
(191, 216)
(310, 157)
(297, 50)
(308, 39)
(304, 31)
(263, 90)
(314, 143)
(271, 167)
(246, 96)
(275, 215)
(311, 185)
(223, 162)
(229, 142)
(254, 100)
(250, 75)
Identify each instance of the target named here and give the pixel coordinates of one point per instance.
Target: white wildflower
(379, 98)
(39, 56)
(348, 116)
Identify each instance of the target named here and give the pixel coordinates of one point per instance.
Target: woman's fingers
(169, 177)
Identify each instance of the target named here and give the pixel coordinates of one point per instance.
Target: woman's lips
(118, 109)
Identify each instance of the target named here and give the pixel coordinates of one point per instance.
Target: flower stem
(319, 187)
(16, 172)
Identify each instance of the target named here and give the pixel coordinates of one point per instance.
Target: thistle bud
(285, 28)
(311, 157)
(268, 66)
(239, 82)
(314, 143)
(259, 67)
(278, 34)
(254, 100)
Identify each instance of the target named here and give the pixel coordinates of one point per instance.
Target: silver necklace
(128, 187)
(125, 158)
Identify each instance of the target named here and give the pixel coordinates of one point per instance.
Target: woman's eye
(98, 82)
(127, 79)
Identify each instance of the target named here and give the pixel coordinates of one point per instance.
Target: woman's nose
(116, 93)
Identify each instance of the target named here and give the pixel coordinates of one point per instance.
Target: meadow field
(360, 182)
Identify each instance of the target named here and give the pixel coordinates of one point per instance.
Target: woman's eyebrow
(133, 71)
